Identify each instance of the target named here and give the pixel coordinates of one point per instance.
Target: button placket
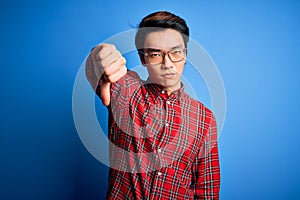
(167, 111)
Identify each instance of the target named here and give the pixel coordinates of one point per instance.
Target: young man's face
(167, 73)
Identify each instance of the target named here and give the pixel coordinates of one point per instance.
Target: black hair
(158, 21)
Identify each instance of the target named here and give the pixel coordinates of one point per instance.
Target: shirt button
(168, 102)
(167, 124)
(163, 92)
(158, 150)
(159, 173)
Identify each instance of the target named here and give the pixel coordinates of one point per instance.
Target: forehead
(165, 39)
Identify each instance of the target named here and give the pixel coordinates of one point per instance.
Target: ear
(142, 58)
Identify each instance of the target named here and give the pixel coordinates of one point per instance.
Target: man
(163, 142)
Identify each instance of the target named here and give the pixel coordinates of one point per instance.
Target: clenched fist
(107, 61)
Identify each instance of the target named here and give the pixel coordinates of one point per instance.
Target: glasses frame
(164, 53)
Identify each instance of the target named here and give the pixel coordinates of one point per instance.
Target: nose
(167, 63)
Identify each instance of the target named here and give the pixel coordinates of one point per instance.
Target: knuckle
(124, 69)
(101, 54)
(112, 47)
(101, 63)
(123, 60)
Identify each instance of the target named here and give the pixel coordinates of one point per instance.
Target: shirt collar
(158, 90)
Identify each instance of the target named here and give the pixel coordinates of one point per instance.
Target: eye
(177, 52)
(153, 55)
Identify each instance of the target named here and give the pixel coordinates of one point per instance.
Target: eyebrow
(176, 47)
(159, 50)
(153, 50)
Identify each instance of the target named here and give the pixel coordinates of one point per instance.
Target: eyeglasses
(157, 56)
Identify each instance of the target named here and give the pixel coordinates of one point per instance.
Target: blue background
(255, 45)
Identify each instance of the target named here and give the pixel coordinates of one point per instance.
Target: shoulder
(197, 106)
(202, 115)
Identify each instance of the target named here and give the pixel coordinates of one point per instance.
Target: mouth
(168, 75)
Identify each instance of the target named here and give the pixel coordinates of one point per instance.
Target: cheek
(152, 72)
(180, 68)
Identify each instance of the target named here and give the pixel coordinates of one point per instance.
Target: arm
(206, 169)
(104, 65)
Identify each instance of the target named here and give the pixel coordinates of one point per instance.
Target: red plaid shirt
(162, 146)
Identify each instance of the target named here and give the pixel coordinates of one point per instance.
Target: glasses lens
(155, 57)
(177, 55)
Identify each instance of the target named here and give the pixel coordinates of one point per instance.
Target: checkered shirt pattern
(162, 146)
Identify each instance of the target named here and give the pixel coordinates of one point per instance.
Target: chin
(169, 85)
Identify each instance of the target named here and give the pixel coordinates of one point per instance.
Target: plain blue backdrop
(255, 45)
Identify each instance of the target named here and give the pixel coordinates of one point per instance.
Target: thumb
(105, 93)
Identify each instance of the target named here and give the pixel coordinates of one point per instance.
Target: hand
(108, 61)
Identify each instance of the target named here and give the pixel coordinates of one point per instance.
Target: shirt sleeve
(206, 169)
